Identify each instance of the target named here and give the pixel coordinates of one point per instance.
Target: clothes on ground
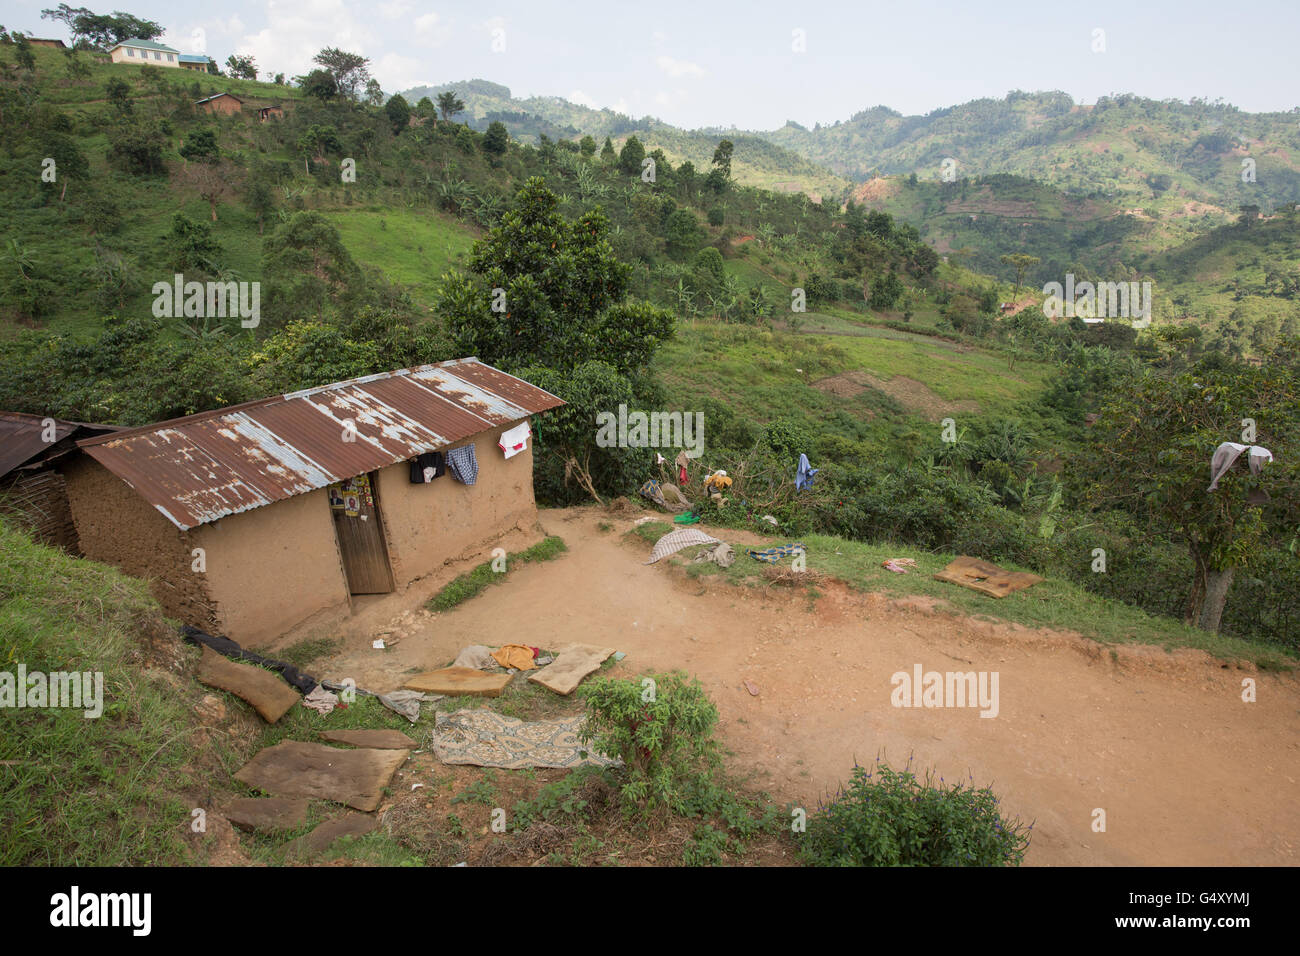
(773, 555)
(426, 467)
(477, 656)
(463, 465)
(804, 476)
(228, 648)
(652, 490)
(1226, 455)
(518, 656)
(321, 700)
(721, 554)
(672, 494)
(514, 440)
(716, 482)
(898, 565)
(689, 518)
(674, 541)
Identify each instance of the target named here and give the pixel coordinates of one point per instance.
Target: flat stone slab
(267, 692)
(322, 838)
(267, 813)
(460, 682)
(986, 577)
(292, 768)
(378, 739)
(572, 663)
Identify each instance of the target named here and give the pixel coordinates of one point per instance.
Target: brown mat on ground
(266, 691)
(573, 663)
(986, 577)
(485, 738)
(379, 739)
(460, 681)
(295, 769)
(267, 813)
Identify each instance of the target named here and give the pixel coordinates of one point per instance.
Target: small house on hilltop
(251, 519)
(40, 41)
(194, 61)
(265, 113)
(225, 103)
(141, 52)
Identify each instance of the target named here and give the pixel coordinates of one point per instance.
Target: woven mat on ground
(674, 541)
(485, 738)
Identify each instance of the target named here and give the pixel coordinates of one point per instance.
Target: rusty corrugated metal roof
(23, 437)
(203, 467)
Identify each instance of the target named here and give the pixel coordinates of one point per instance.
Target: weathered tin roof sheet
(23, 437)
(203, 467)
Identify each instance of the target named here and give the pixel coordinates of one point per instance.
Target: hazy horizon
(698, 67)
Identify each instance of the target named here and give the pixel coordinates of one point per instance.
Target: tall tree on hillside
(1151, 451)
(103, 30)
(1021, 262)
(496, 139)
(722, 157)
(350, 70)
(243, 67)
(319, 84)
(587, 146)
(449, 104)
(607, 154)
(398, 112)
(630, 156)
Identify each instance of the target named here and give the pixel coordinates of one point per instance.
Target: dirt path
(1186, 772)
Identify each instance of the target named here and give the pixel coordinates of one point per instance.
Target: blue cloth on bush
(463, 465)
(804, 477)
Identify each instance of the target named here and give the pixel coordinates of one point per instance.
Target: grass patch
(474, 582)
(310, 649)
(1055, 603)
(103, 791)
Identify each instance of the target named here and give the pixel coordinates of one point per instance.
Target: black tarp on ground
(228, 648)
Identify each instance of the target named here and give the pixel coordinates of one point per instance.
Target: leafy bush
(661, 727)
(889, 818)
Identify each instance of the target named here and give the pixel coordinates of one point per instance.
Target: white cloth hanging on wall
(514, 440)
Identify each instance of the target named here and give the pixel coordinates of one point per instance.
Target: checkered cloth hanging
(463, 465)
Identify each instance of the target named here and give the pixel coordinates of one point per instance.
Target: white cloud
(430, 27)
(396, 72)
(395, 10)
(678, 68)
(582, 99)
(297, 30)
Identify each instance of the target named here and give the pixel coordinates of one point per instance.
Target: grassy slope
(1053, 604)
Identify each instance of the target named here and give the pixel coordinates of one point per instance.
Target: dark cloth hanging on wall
(228, 648)
(431, 460)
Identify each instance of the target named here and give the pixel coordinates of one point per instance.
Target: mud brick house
(225, 103)
(32, 490)
(252, 519)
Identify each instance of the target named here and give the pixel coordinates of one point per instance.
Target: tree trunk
(1217, 584)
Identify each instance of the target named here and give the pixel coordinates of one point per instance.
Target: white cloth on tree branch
(1227, 454)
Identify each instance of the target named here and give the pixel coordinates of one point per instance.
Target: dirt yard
(1186, 773)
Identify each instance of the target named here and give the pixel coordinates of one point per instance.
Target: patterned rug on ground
(484, 738)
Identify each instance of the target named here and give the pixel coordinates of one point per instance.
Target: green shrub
(889, 818)
(661, 728)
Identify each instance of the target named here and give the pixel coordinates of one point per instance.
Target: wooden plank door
(360, 530)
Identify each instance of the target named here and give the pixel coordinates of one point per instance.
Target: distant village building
(194, 61)
(252, 519)
(225, 103)
(37, 41)
(265, 113)
(141, 52)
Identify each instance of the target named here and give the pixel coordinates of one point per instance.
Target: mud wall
(271, 568)
(118, 527)
(428, 524)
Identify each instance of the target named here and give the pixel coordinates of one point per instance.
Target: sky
(757, 64)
